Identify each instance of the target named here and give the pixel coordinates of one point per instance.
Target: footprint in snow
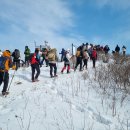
(5, 111)
(78, 108)
(98, 117)
(101, 119)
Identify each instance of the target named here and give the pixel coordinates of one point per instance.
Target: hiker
(44, 57)
(94, 56)
(5, 64)
(90, 52)
(66, 59)
(97, 48)
(1, 53)
(106, 49)
(52, 57)
(101, 49)
(85, 58)
(79, 58)
(87, 46)
(35, 65)
(124, 50)
(27, 54)
(16, 58)
(62, 54)
(117, 49)
(84, 47)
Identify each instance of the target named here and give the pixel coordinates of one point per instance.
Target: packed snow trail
(67, 102)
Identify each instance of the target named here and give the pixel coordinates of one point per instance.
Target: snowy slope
(68, 102)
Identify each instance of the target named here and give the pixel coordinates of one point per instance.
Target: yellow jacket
(8, 63)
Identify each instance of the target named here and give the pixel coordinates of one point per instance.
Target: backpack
(94, 54)
(51, 56)
(2, 62)
(78, 54)
(16, 53)
(65, 58)
(30, 57)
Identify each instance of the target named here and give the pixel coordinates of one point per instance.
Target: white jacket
(86, 55)
(123, 49)
(1, 53)
(68, 56)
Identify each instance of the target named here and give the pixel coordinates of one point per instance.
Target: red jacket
(33, 59)
(94, 54)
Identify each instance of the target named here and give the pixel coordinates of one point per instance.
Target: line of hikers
(36, 60)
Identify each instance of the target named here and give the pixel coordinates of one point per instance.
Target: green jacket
(27, 52)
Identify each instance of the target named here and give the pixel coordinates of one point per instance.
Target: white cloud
(40, 20)
(37, 16)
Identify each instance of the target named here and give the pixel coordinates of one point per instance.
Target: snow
(68, 102)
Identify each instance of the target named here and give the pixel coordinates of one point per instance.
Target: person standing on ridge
(5, 64)
(35, 65)
(117, 49)
(62, 54)
(52, 58)
(27, 54)
(79, 58)
(85, 58)
(44, 57)
(66, 59)
(124, 50)
(16, 58)
(106, 49)
(94, 56)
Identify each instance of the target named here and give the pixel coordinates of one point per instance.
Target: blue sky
(63, 22)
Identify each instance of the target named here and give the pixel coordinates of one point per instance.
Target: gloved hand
(14, 67)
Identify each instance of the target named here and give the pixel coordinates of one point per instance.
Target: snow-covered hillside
(68, 102)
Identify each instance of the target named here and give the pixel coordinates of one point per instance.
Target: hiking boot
(68, 72)
(81, 70)
(52, 76)
(61, 72)
(33, 80)
(36, 80)
(55, 75)
(5, 93)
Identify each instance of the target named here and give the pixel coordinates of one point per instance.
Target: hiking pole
(11, 80)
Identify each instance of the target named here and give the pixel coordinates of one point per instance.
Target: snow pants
(53, 65)
(4, 77)
(37, 68)
(85, 63)
(79, 62)
(68, 68)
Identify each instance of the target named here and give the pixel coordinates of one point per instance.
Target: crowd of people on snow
(49, 55)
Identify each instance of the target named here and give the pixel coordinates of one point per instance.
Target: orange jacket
(8, 63)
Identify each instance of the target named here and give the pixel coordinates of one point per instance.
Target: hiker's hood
(6, 53)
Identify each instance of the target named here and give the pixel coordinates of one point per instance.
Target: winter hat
(68, 50)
